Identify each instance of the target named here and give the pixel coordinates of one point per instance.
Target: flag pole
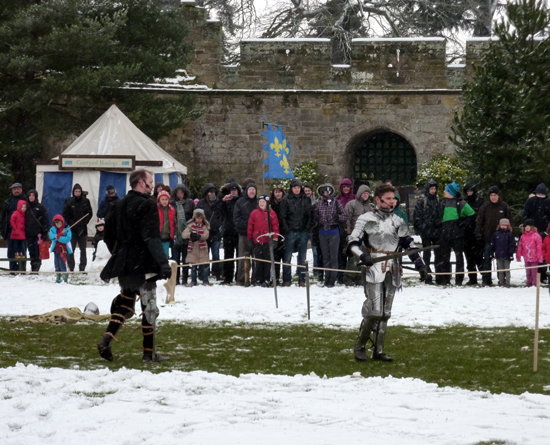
(263, 157)
(272, 253)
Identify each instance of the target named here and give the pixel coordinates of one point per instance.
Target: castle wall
(227, 140)
(398, 85)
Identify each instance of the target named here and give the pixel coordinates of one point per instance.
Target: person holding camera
(197, 232)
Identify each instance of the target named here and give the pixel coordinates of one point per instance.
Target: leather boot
(104, 348)
(381, 356)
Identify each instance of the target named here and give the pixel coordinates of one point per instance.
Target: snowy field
(57, 406)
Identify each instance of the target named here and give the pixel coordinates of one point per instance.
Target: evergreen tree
(63, 61)
(503, 132)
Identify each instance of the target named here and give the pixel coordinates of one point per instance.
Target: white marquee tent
(112, 135)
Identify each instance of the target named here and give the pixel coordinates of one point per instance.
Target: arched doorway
(384, 155)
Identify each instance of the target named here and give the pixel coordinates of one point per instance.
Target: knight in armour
(384, 234)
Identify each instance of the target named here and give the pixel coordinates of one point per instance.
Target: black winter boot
(104, 348)
(381, 356)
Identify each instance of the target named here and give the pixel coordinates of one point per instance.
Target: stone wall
(227, 140)
(398, 85)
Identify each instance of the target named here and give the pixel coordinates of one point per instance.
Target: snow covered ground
(56, 406)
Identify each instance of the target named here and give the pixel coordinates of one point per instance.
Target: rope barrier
(21, 272)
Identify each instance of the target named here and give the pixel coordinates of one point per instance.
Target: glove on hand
(165, 271)
(195, 237)
(250, 245)
(366, 259)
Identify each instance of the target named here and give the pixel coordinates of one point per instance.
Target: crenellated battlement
(306, 64)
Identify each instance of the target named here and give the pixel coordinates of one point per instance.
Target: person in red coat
(258, 238)
(167, 216)
(17, 221)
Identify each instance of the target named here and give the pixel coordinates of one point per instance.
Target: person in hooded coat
(212, 206)
(346, 195)
(355, 208)
(108, 202)
(230, 192)
(258, 238)
(61, 235)
(17, 222)
(473, 247)
(10, 206)
(455, 214)
(75, 208)
(184, 205)
(167, 217)
(428, 219)
(244, 206)
(295, 222)
(537, 208)
(329, 214)
(36, 223)
(197, 232)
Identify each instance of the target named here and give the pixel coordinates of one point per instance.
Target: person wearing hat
(530, 248)
(329, 214)
(428, 214)
(537, 208)
(355, 208)
(231, 192)
(487, 222)
(212, 206)
(503, 246)
(295, 222)
(197, 232)
(455, 213)
(244, 206)
(473, 248)
(78, 212)
(258, 238)
(106, 203)
(10, 206)
(99, 233)
(37, 225)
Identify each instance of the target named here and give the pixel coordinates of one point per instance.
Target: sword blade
(402, 254)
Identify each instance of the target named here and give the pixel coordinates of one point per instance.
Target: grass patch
(471, 358)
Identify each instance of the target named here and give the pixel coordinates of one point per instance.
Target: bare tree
(342, 20)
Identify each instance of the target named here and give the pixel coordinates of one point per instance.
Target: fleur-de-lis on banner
(277, 146)
(284, 164)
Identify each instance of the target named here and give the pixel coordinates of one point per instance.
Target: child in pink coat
(530, 248)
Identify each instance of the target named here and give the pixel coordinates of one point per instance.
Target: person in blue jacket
(61, 246)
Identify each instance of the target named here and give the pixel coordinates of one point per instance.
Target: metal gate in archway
(382, 156)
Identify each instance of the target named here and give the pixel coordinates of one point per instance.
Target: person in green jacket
(455, 212)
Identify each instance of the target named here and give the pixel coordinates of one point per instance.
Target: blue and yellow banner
(279, 151)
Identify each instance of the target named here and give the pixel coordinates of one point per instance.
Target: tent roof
(114, 134)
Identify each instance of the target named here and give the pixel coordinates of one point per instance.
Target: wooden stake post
(536, 345)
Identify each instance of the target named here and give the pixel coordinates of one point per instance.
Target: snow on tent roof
(114, 134)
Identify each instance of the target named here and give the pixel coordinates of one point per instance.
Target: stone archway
(381, 155)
